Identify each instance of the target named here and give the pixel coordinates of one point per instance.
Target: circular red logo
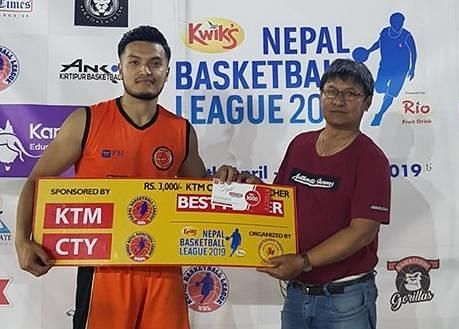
(163, 158)
(140, 246)
(252, 198)
(206, 288)
(9, 67)
(142, 210)
(269, 248)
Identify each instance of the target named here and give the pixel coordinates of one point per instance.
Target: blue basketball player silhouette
(236, 240)
(143, 209)
(207, 286)
(141, 245)
(398, 61)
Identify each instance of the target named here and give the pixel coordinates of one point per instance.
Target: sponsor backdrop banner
(246, 75)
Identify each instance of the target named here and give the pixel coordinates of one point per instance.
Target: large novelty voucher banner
(160, 222)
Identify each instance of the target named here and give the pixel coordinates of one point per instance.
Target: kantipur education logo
(212, 35)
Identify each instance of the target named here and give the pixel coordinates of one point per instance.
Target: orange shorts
(130, 298)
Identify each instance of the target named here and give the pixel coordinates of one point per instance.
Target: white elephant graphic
(11, 147)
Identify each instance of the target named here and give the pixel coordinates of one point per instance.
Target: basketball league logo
(9, 67)
(142, 210)
(140, 246)
(206, 288)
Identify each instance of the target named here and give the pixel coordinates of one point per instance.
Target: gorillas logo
(413, 280)
(11, 147)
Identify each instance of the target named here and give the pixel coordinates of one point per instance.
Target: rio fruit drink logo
(416, 112)
(213, 35)
(411, 107)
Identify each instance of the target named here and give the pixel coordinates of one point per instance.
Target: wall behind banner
(246, 76)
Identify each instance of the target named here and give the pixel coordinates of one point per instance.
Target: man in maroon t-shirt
(342, 181)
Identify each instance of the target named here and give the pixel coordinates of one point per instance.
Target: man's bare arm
(339, 246)
(193, 165)
(60, 154)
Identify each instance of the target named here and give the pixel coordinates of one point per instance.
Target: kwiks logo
(5, 233)
(413, 280)
(213, 35)
(4, 283)
(79, 70)
(416, 112)
(9, 67)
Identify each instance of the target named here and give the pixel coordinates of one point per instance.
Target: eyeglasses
(349, 95)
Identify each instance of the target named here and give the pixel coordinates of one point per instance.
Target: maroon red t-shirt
(332, 190)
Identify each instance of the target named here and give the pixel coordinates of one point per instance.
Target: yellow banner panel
(157, 222)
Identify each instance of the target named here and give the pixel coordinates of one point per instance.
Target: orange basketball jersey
(131, 297)
(114, 146)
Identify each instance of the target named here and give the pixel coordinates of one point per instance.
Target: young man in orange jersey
(148, 141)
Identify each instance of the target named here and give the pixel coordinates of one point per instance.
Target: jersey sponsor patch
(314, 180)
(162, 158)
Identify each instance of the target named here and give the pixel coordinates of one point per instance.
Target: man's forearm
(342, 244)
(25, 212)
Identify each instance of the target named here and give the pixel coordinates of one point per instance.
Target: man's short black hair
(345, 69)
(144, 33)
